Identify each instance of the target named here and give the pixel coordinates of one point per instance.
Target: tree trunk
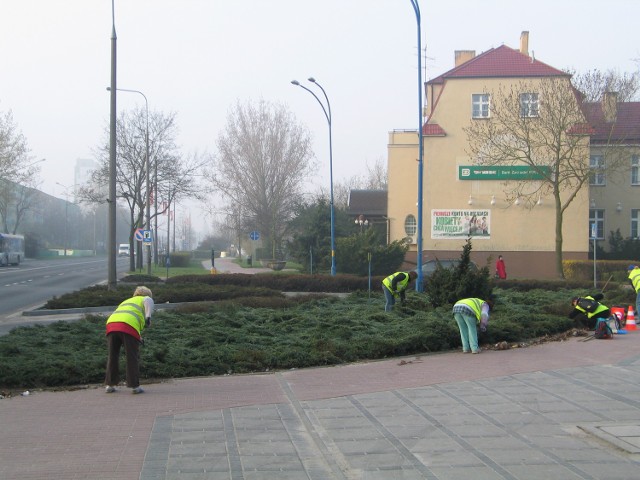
(559, 215)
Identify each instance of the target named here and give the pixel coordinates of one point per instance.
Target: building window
(529, 106)
(480, 105)
(635, 219)
(596, 216)
(410, 225)
(597, 177)
(635, 170)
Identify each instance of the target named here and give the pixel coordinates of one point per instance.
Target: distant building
(369, 210)
(82, 174)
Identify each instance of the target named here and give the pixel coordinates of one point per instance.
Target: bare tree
(19, 174)
(593, 84)
(263, 159)
(172, 176)
(374, 178)
(553, 140)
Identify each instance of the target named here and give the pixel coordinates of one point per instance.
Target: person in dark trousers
(394, 286)
(501, 269)
(468, 314)
(583, 316)
(124, 327)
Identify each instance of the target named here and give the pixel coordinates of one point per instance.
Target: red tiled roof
(433, 130)
(500, 62)
(625, 128)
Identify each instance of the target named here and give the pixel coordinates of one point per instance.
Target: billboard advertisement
(457, 224)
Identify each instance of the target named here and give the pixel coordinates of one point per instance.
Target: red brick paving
(88, 434)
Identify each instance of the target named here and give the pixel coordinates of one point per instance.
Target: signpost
(594, 234)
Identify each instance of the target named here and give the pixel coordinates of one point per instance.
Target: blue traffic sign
(255, 235)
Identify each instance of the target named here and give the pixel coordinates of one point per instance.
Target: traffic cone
(631, 320)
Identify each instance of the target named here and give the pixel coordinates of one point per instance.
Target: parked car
(123, 250)
(429, 266)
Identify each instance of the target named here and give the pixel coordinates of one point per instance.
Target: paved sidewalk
(567, 410)
(227, 265)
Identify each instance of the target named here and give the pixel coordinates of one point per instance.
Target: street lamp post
(594, 235)
(111, 247)
(362, 221)
(147, 169)
(327, 114)
(419, 280)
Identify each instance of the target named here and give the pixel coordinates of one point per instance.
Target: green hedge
(583, 269)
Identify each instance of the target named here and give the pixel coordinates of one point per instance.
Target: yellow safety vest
(475, 304)
(600, 308)
(634, 276)
(131, 312)
(402, 285)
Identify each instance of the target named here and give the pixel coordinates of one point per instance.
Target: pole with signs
(594, 231)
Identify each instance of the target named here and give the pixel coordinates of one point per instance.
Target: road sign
(255, 235)
(139, 235)
(147, 237)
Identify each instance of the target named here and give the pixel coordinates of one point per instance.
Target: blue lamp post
(419, 280)
(327, 114)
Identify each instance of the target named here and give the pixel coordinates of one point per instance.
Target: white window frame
(597, 178)
(635, 222)
(597, 215)
(529, 105)
(480, 105)
(635, 169)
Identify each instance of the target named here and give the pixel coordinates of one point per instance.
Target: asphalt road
(33, 282)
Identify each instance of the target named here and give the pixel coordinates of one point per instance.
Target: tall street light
(419, 280)
(327, 114)
(148, 171)
(111, 247)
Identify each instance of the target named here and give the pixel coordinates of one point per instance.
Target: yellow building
(461, 199)
(615, 144)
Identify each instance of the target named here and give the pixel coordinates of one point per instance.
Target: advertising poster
(460, 224)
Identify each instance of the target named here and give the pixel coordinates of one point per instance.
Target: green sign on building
(498, 172)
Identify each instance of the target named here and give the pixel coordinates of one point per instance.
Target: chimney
(610, 106)
(524, 43)
(462, 56)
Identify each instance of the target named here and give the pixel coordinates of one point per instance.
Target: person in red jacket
(501, 269)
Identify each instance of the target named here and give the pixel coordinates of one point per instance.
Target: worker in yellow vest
(634, 278)
(124, 327)
(394, 287)
(468, 314)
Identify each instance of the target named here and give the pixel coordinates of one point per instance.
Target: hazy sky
(198, 57)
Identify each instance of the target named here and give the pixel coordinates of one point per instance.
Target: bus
(11, 249)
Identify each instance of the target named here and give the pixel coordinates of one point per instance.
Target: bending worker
(123, 328)
(394, 286)
(468, 314)
(588, 310)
